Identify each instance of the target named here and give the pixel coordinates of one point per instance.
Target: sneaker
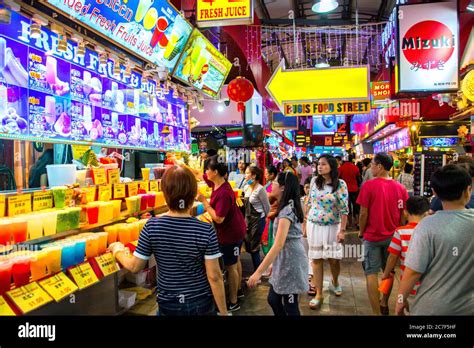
(337, 289)
(233, 307)
(240, 294)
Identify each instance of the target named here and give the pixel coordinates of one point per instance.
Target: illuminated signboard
(428, 47)
(202, 66)
(439, 141)
(326, 108)
(394, 142)
(212, 13)
(59, 97)
(153, 29)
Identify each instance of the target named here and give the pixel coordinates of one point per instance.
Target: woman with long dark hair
(287, 166)
(257, 207)
(287, 256)
(326, 225)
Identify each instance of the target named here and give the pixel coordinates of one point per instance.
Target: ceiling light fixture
(56, 28)
(324, 6)
(81, 49)
(103, 59)
(62, 44)
(35, 31)
(470, 6)
(117, 69)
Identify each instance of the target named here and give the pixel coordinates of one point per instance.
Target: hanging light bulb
(117, 70)
(323, 6)
(81, 49)
(62, 44)
(166, 130)
(35, 31)
(103, 59)
(57, 29)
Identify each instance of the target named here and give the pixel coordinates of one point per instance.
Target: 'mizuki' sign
(428, 47)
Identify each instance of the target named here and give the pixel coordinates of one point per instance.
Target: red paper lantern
(240, 90)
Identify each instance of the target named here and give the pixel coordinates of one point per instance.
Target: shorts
(231, 253)
(375, 256)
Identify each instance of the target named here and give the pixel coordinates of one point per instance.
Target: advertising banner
(428, 47)
(154, 29)
(202, 65)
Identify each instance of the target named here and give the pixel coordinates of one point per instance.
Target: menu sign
(48, 94)
(202, 66)
(153, 29)
(428, 47)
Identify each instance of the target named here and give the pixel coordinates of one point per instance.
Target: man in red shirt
(349, 172)
(382, 201)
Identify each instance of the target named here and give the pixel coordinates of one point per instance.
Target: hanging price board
(105, 193)
(114, 176)
(58, 286)
(19, 204)
(83, 275)
(29, 297)
(119, 191)
(132, 189)
(154, 185)
(42, 200)
(2, 206)
(5, 309)
(90, 193)
(144, 185)
(107, 264)
(99, 176)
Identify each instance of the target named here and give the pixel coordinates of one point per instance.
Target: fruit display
(12, 70)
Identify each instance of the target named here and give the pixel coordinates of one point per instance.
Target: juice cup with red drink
(21, 270)
(5, 275)
(19, 228)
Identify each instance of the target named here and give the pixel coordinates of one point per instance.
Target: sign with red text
(428, 47)
(213, 13)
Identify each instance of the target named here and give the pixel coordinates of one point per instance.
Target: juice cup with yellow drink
(39, 265)
(50, 220)
(124, 235)
(117, 207)
(35, 227)
(103, 236)
(146, 174)
(53, 258)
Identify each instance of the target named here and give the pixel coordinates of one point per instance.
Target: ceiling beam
(382, 9)
(305, 21)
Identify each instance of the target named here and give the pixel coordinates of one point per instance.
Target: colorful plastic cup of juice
(124, 234)
(92, 246)
(141, 224)
(79, 250)
(92, 214)
(146, 174)
(108, 211)
(160, 199)
(59, 195)
(5, 275)
(63, 222)
(117, 206)
(103, 237)
(54, 258)
(50, 222)
(39, 265)
(151, 199)
(68, 254)
(21, 270)
(386, 285)
(143, 202)
(134, 230)
(19, 228)
(111, 234)
(74, 218)
(35, 227)
(5, 232)
(131, 204)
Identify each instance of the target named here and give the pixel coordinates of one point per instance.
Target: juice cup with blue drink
(80, 250)
(68, 254)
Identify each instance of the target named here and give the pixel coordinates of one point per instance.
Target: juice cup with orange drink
(19, 228)
(111, 234)
(134, 228)
(92, 246)
(39, 265)
(5, 232)
(103, 237)
(124, 234)
(117, 206)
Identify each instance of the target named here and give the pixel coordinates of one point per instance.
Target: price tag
(119, 191)
(5, 309)
(90, 193)
(99, 176)
(68, 199)
(2, 206)
(114, 176)
(105, 193)
(42, 200)
(107, 264)
(132, 189)
(154, 185)
(84, 275)
(29, 297)
(79, 150)
(58, 286)
(144, 185)
(19, 204)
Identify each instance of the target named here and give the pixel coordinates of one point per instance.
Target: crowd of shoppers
(296, 213)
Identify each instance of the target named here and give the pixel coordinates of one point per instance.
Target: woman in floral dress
(326, 225)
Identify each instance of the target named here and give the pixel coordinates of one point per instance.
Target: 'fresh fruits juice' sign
(151, 28)
(428, 46)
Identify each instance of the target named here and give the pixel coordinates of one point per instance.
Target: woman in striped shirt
(185, 249)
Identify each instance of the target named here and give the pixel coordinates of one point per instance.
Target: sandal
(384, 310)
(315, 303)
(312, 291)
(337, 289)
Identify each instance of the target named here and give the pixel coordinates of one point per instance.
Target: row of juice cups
(62, 254)
(35, 225)
(142, 202)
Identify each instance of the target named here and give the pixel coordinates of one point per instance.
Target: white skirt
(322, 242)
(306, 249)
